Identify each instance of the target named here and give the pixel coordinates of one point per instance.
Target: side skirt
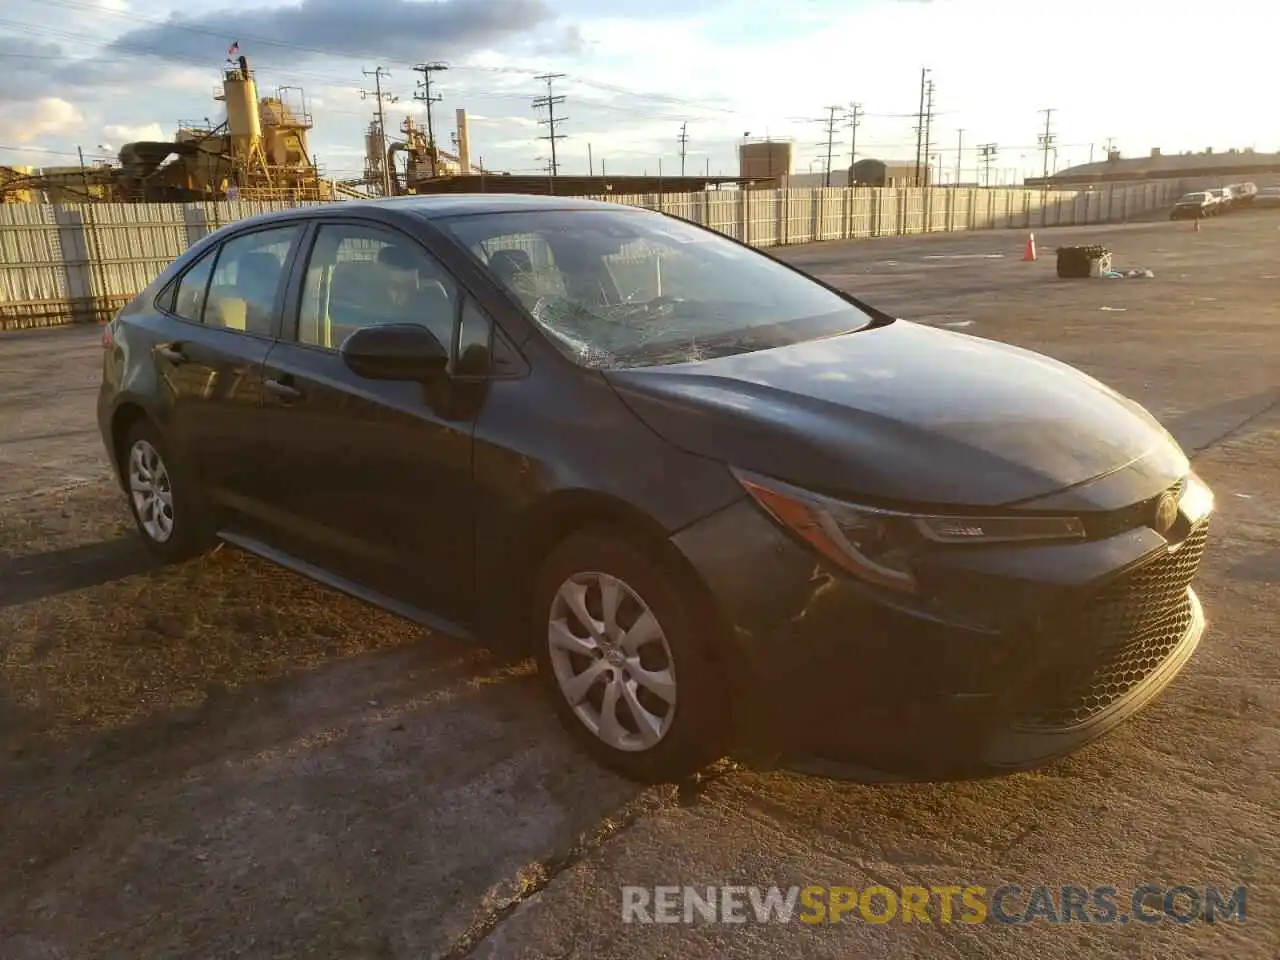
(401, 609)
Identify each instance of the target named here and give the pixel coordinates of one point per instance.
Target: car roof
(441, 206)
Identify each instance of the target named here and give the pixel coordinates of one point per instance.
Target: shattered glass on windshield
(630, 288)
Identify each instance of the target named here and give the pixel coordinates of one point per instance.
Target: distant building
(866, 173)
(892, 173)
(1233, 164)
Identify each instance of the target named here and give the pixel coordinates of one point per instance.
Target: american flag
(233, 49)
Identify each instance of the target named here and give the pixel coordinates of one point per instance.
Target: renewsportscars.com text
(968, 904)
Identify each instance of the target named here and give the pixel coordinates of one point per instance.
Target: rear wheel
(627, 655)
(163, 504)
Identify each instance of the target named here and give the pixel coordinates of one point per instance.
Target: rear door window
(189, 295)
(248, 278)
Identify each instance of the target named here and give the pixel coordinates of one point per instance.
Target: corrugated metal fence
(61, 264)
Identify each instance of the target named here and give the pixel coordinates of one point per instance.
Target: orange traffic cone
(1030, 252)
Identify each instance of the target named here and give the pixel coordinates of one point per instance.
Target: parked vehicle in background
(1223, 199)
(718, 500)
(1267, 197)
(1193, 206)
(1242, 194)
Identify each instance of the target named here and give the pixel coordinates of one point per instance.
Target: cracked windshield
(628, 289)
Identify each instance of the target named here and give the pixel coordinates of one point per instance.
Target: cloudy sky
(97, 73)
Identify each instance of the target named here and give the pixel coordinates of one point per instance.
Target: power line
(683, 139)
(1046, 140)
(924, 77)
(424, 96)
(380, 97)
(928, 126)
(988, 152)
(830, 127)
(551, 101)
(854, 117)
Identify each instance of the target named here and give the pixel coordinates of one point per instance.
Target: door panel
(212, 361)
(214, 379)
(370, 479)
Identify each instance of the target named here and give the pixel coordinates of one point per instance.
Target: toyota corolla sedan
(726, 506)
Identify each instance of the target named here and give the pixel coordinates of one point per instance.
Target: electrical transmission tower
(831, 140)
(987, 152)
(854, 118)
(424, 95)
(380, 98)
(924, 83)
(1046, 141)
(928, 127)
(683, 140)
(551, 101)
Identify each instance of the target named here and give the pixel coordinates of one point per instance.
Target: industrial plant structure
(259, 152)
(765, 161)
(424, 160)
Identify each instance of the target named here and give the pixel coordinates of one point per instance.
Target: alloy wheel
(151, 491)
(612, 662)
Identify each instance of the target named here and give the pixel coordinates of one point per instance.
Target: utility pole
(1111, 145)
(379, 97)
(684, 143)
(591, 164)
(550, 101)
(988, 153)
(1046, 141)
(928, 123)
(831, 139)
(424, 96)
(924, 74)
(959, 154)
(855, 111)
(84, 174)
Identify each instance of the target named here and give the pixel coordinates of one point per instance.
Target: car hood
(906, 413)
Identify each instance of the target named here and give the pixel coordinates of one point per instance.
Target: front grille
(1119, 638)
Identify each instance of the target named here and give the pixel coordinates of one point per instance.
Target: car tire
(162, 499)
(659, 640)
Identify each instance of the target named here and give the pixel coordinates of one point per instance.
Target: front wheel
(163, 505)
(626, 652)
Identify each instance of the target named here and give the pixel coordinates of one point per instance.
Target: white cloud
(127, 133)
(735, 65)
(25, 122)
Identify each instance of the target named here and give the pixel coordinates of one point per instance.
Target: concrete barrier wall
(82, 262)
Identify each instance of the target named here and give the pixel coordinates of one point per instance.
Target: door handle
(172, 352)
(282, 390)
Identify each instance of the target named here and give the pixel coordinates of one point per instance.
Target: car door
(371, 480)
(211, 359)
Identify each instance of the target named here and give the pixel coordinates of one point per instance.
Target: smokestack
(464, 143)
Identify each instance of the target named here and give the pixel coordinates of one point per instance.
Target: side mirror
(394, 351)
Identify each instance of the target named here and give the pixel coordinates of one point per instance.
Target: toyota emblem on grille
(1165, 514)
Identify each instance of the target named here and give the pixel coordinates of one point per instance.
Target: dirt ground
(222, 759)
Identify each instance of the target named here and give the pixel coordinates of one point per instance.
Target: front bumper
(1024, 655)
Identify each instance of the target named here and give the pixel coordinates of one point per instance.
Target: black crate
(1077, 262)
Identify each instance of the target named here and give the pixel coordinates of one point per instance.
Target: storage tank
(765, 159)
(243, 122)
(464, 142)
(373, 156)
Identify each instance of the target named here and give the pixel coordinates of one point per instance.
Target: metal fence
(63, 264)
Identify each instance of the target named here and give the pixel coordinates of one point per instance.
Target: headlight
(879, 545)
(1196, 502)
